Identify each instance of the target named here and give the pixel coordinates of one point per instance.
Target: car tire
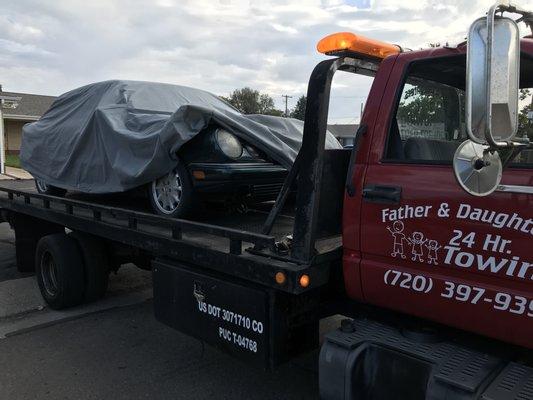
(172, 194)
(59, 271)
(95, 265)
(45, 188)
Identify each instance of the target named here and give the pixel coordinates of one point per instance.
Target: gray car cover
(115, 135)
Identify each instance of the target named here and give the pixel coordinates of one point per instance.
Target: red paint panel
(351, 261)
(485, 317)
(495, 255)
(455, 259)
(352, 205)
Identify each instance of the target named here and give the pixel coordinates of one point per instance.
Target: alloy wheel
(167, 192)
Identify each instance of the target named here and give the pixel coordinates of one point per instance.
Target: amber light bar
(347, 42)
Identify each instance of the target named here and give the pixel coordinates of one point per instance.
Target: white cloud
(283, 28)
(8, 46)
(51, 47)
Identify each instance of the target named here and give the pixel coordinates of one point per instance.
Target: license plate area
(228, 315)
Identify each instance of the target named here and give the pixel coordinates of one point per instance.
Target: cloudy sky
(49, 47)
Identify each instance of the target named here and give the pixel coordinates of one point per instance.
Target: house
(19, 109)
(345, 133)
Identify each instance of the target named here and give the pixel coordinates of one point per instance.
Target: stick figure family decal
(485, 240)
(417, 241)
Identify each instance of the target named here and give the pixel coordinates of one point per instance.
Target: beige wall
(13, 134)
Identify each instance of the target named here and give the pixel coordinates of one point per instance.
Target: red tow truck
(416, 235)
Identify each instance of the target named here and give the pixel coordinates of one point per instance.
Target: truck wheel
(45, 188)
(95, 265)
(172, 195)
(59, 271)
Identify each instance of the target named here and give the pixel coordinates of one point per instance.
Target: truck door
(429, 248)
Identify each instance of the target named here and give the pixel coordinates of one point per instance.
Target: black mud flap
(245, 320)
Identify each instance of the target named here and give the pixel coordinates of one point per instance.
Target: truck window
(429, 125)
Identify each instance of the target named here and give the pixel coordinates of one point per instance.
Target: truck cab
(413, 239)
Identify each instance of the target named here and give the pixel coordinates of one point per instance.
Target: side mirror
(492, 72)
(492, 91)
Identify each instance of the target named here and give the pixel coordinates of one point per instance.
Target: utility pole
(286, 103)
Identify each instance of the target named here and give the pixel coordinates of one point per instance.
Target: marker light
(304, 281)
(280, 278)
(198, 175)
(351, 43)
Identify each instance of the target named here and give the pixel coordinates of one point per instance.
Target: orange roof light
(349, 42)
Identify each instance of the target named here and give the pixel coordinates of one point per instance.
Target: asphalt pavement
(115, 349)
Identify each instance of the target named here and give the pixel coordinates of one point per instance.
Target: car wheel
(171, 195)
(45, 188)
(59, 271)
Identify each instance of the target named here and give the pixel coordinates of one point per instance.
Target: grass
(12, 160)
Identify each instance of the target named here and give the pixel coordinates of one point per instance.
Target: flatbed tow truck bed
(217, 281)
(231, 244)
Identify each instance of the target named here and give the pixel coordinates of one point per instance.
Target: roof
(343, 130)
(25, 106)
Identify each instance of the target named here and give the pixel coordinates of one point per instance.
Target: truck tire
(95, 265)
(45, 188)
(59, 271)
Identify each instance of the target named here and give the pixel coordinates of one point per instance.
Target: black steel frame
(164, 237)
(308, 166)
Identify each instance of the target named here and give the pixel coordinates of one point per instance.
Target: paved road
(126, 354)
(116, 349)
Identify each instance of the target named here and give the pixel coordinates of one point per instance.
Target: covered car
(174, 141)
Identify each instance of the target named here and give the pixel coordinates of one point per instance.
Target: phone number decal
(405, 280)
(500, 301)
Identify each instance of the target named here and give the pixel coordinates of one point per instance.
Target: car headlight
(228, 143)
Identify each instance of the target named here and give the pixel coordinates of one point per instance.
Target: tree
(421, 104)
(250, 101)
(298, 111)
(524, 125)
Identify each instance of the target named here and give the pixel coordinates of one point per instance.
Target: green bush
(12, 160)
